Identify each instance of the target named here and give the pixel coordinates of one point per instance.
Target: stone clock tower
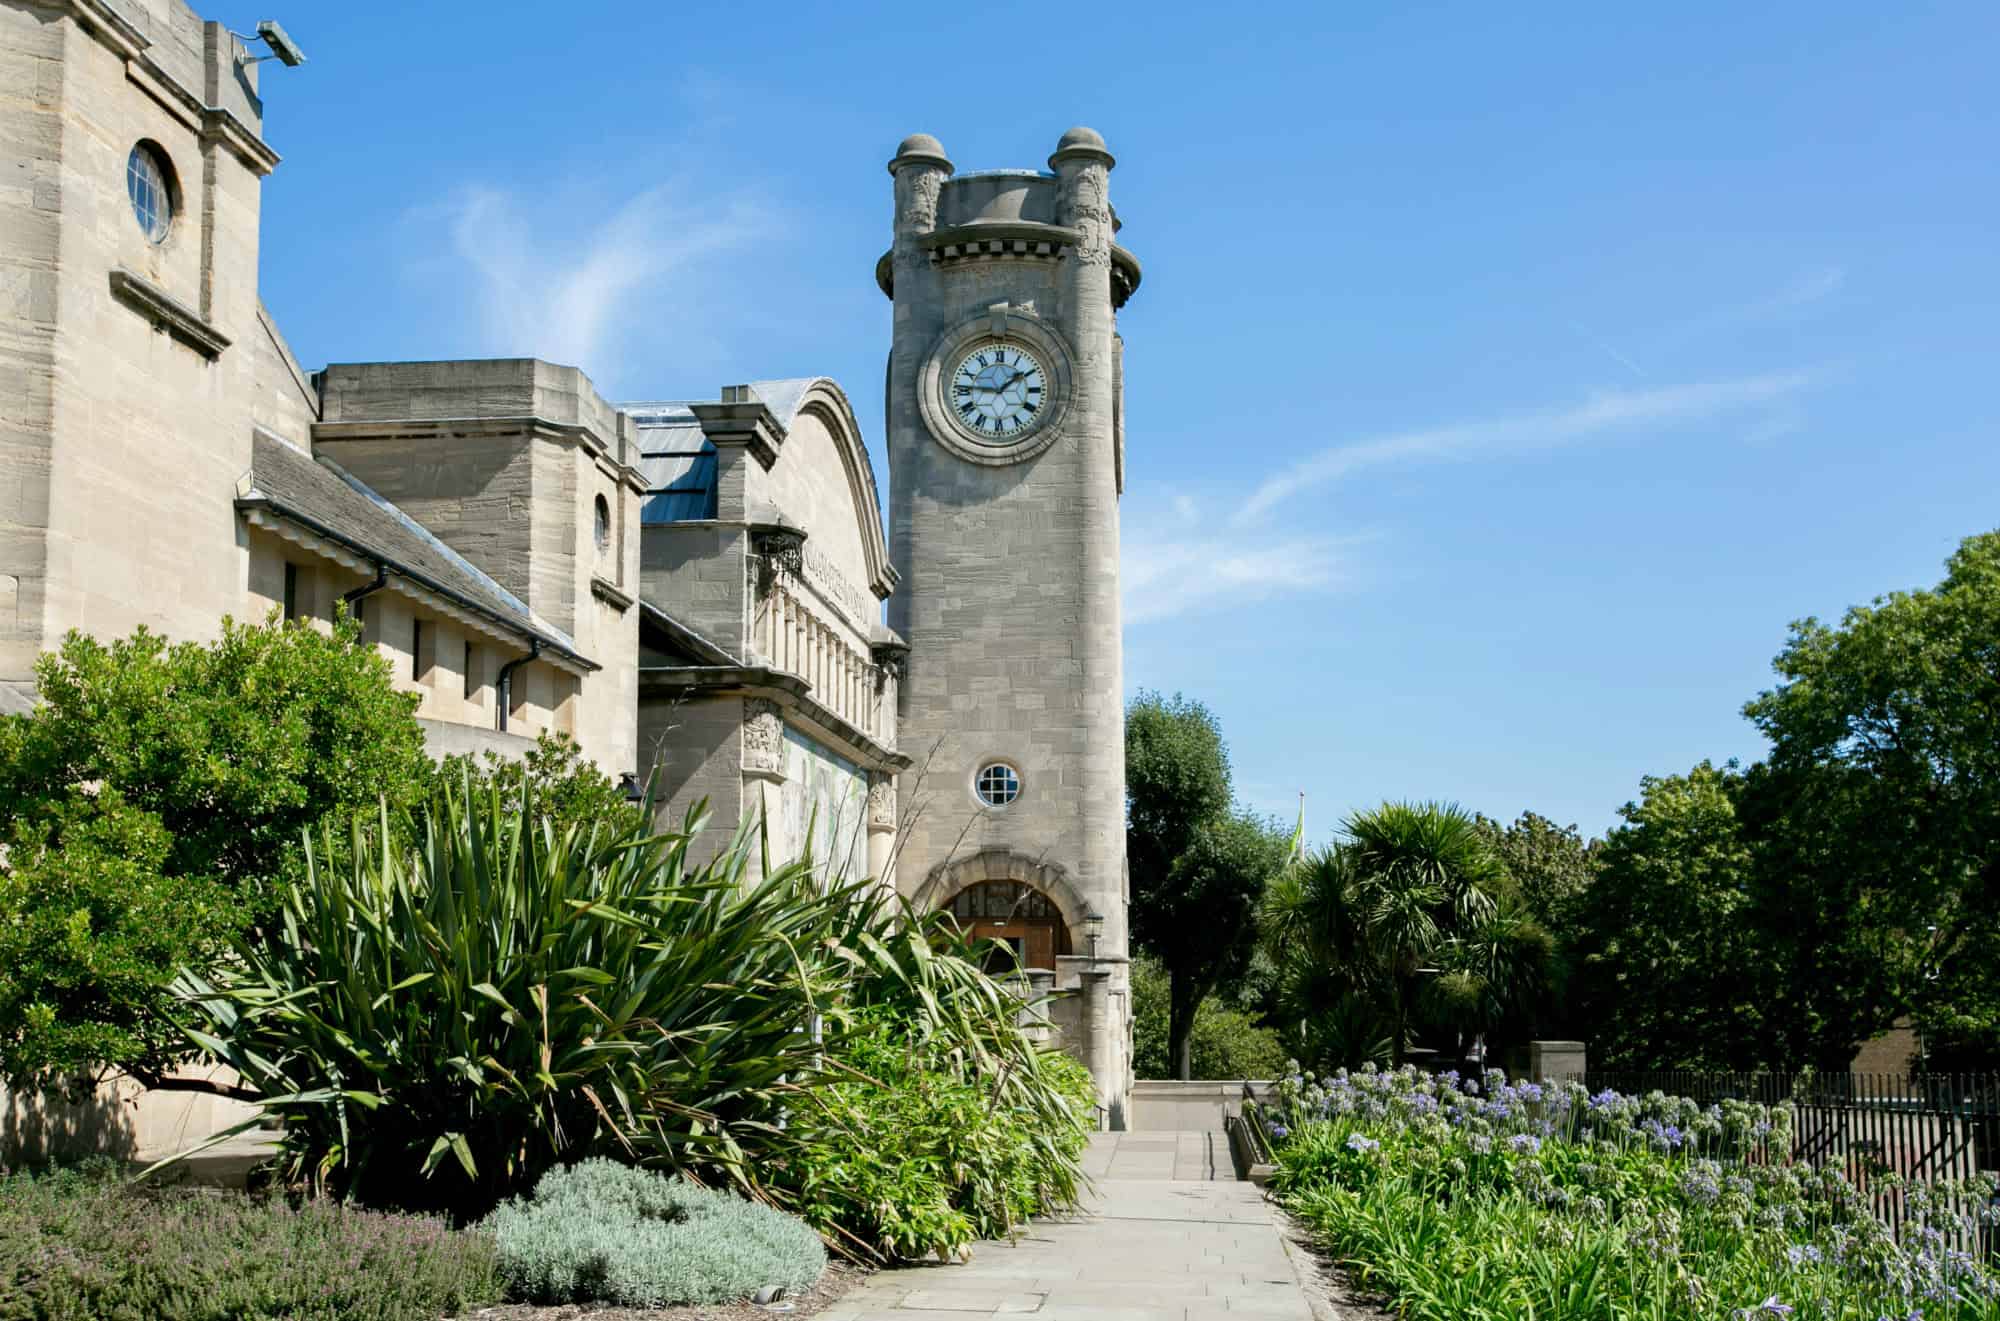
(1006, 460)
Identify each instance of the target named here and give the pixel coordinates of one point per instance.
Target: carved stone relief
(918, 189)
(1085, 200)
(763, 738)
(881, 802)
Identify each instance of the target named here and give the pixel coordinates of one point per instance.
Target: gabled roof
(332, 503)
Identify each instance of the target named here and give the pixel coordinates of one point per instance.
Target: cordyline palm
(482, 993)
(1491, 972)
(1367, 920)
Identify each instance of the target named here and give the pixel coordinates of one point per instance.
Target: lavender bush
(1469, 1198)
(82, 1245)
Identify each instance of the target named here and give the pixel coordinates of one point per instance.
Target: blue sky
(1502, 383)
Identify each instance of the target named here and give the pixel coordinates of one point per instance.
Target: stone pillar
(881, 827)
(1095, 1027)
(1557, 1061)
(763, 762)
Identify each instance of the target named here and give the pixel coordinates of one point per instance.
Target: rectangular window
(472, 684)
(517, 694)
(291, 591)
(423, 651)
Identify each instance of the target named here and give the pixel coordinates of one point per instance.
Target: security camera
(282, 46)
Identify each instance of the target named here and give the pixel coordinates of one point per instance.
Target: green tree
(1225, 1042)
(1551, 866)
(1197, 872)
(1409, 926)
(1880, 809)
(155, 799)
(1667, 966)
(567, 787)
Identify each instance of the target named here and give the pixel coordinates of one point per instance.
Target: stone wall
(129, 367)
(505, 461)
(694, 751)
(118, 1119)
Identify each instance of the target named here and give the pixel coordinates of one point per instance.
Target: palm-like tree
(1402, 922)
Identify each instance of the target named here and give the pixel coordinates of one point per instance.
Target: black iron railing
(1936, 1128)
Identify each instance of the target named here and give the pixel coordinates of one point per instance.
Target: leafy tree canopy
(151, 802)
(1880, 811)
(236, 745)
(1225, 1042)
(1666, 975)
(1176, 781)
(1198, 870)
(1550, 866)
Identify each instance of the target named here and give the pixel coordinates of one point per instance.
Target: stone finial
(920, 149)
(1083, 195)
(920, 169)
(1082, 143)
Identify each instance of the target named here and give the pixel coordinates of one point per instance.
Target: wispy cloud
(1177, 565)
(1603, 413)
(1610, 350)
(1806, 287)
(548, 285)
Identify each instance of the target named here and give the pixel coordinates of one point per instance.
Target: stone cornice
(1012, 240)
(220, 125)
(610, 593)
(168, 313)
(214, 123)
(747, 423)
(110, 27)
(536, 428)
(788, 690)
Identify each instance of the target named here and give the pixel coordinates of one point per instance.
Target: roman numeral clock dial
(999, 392)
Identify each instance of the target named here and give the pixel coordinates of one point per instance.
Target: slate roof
(324, 498)
(677, 461)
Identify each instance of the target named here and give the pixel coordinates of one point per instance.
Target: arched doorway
(1015, 914)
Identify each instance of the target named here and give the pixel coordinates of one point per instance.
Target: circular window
(603, 525)
(997, 784)
(149, 182)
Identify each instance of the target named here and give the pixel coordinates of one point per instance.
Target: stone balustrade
(793, 636)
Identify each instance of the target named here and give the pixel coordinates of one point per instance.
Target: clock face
(999, 392)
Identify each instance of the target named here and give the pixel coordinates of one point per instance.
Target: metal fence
(1930, 1127)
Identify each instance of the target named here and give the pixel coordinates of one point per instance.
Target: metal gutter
(383, 564)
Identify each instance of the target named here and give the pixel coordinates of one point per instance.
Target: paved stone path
(1170, 1236)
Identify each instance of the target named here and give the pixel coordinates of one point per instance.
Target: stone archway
(949, 879)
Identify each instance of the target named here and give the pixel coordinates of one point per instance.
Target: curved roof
(679, 463)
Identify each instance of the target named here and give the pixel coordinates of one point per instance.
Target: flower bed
(84, 1243)
(1482, 1199)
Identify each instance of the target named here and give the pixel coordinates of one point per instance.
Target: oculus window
(149, 182)
(997, 784)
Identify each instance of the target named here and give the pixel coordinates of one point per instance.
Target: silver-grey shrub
(604, 1232)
